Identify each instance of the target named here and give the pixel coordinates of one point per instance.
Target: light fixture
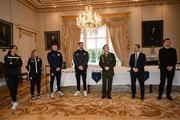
(89, 20)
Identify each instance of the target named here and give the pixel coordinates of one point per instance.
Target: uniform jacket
(107, 61)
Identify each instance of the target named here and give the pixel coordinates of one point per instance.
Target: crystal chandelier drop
(89, 20)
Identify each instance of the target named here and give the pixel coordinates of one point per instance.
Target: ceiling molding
(104, 16)
(70, 5)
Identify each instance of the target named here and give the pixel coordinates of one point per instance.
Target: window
(95, 42)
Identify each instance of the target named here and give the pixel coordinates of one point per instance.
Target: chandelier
(89, 20)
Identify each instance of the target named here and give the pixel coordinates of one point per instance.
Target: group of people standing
(167, 66)
(13, 63)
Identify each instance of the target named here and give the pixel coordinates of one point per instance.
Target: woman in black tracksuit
(13, 65)
(34, 67)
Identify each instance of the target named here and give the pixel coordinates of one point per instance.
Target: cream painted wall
(18, 14)
(46, 22)
(172, 25)
(169, 13)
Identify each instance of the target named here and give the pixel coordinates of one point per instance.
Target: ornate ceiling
(69, 5)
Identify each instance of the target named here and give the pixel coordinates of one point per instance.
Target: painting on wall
(52, 37)
(6, 34)
(152, 33)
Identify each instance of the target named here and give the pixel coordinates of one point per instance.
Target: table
(121, 77)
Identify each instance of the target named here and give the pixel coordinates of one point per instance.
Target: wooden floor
(92, 107)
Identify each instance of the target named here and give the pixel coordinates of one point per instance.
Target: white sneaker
(60, 93)
(85, 93)
(33, 97)
(77, 93)
(52, 95)
(14, 105)
(38, 96)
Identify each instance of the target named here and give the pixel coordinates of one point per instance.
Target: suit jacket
(140, 62)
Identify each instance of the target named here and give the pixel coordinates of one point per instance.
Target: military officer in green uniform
(107, 62)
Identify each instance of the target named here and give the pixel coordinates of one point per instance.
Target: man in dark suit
(167, 59)
(137, 63)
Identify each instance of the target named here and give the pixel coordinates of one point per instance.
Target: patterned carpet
(68, 107)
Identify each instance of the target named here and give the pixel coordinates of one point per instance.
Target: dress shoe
(159, 97)
(170, 98)
(133, 96)
(103, 97)
(142, 98)
(109, 97)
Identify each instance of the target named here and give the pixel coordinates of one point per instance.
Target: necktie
(136, 57)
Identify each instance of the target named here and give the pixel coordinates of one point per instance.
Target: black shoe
(133, 96)
(170, 98)
(159, 97)
(103, 97)
(109, 97)
(142, 98)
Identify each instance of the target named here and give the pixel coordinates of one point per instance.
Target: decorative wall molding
(26, 29)
(22, 28)
(66, 5)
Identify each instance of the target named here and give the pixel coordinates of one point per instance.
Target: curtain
(119, 36)
(71, 37)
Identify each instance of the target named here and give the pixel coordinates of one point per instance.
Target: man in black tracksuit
(81, 58)
(167, 59)
(34, 66)
(13, 65)
(55, 60)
